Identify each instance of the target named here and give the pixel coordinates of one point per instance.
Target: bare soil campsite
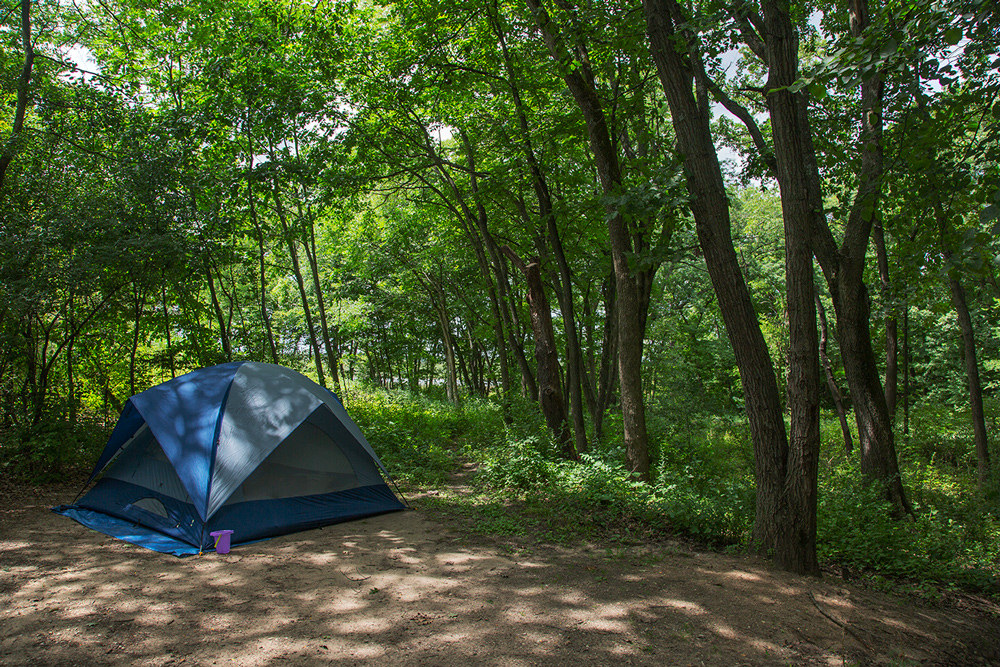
(422, 587)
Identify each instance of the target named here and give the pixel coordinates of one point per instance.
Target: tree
(785, 522)
(632, 288)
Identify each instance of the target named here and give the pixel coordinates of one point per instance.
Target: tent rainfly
(255, 448)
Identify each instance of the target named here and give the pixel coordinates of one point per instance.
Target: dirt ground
(416, 588)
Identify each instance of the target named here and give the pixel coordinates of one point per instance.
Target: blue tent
(254, 448)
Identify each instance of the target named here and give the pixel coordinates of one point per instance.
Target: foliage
(53, 451)
(411, 433)
(954, 539)
(694, 492)
(704, 489)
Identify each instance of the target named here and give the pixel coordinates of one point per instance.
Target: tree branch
(22, 90)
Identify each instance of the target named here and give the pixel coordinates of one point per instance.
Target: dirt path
(414, 588)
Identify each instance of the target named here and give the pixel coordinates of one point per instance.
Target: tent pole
(407, 502)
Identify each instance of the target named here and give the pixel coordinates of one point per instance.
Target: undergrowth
(52, 451)
(702, 487)
(411, 433)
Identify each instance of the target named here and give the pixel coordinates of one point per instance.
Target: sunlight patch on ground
(539, 637)
(572, 598)
(342, 604)
(320, 559)
(12, 545)
(899, 625)
(765, 647)
(623, 650)
(361, 625)
(740, 575)
(689, 608)
(722, 630)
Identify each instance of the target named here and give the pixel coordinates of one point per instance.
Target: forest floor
(425, 587)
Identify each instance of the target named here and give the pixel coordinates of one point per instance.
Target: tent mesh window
(308, 462)
(144, 464)
(153, 506)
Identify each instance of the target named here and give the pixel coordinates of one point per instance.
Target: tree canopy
(624, 215)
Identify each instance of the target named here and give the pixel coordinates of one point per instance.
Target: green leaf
(953, 36)
(889, 48)
(817, 90)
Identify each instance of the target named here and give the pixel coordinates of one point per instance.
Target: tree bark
(265, 316)
(891, 328)
(843, 267)
(972, 375)
(332, 354)
(139, 305)
(797, 551)
(166, 327)
(550, 394)
(906, 368)
(877, 442)
(785, 475)
(480, 243)
(220, 317)
(299, 281)
(440, 305)
(831, 380)
(574, 359)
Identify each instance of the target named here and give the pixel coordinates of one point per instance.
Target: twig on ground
(843, 626)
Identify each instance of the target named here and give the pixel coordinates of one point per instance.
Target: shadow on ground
(408, 589)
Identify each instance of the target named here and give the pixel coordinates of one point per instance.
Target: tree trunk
(265, 316)
(515, 333)
(574, 359)
(878, 449)
(550, 395)
(166, 327)
(831, 381)
(843, 267)
(220, 317)
(70, 364)
(607, 377)
(972, 375)
(781, 472)
(796, 552)
(299, 281)
(891, 334)
(481, 240)
(906, 368)
(440, 304)
(139, 303)
(332, 353)
(22, 92)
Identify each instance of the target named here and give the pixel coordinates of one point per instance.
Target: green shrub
(954, 538)
(718, 511)
(52, 451)
(699, 489)
(523, 465)
(410, 433)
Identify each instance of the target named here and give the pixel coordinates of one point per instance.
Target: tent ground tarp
(127, 530)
